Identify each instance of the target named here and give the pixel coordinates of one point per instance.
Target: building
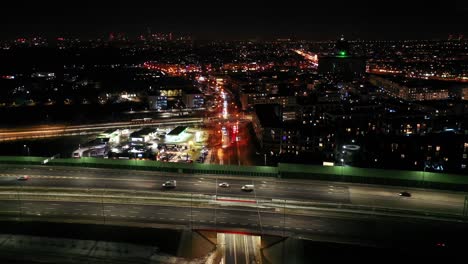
(464, 93)
(157, 102)
(427, 94)
(290, 139)
(410, 91)
(342, 65)
(250, 99)
(143, 135)
(112, 136)
(345, 68)
(176, 134)
(267, 124)
(194, 99)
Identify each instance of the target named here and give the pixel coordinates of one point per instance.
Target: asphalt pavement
(382, 231)
(424, 200)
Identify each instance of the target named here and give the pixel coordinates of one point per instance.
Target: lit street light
(342, 165)
(27, 149)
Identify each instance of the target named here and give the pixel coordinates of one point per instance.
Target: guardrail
(286, 171)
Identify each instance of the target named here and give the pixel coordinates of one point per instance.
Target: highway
(268, 189)
(276, 207)
(382, 231)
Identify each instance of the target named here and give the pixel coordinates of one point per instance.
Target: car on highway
(169, 184)
(22, 178)
(405, 194)
(224, 185)
(247, 187)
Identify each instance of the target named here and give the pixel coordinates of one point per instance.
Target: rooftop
(143, 132)
(269, 115)
(176, 131)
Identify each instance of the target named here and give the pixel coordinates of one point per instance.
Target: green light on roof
(342, 53)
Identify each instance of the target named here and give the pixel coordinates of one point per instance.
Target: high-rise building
(342, 65)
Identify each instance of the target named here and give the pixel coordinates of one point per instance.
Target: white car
(169, 184)
(248, 187)
(224, 185)
(23, 178)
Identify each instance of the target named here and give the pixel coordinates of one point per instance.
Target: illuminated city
(193, 133)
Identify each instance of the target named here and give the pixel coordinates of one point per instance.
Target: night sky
(238, 19)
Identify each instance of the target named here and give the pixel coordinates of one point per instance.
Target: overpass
(342, 216)
(45, 131)
(318, 210)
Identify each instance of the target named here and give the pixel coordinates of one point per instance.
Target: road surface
(423, 200)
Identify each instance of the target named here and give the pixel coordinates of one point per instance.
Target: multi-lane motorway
(265, 188)
(232, 209)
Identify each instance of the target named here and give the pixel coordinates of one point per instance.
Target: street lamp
(342, 165)
(27, 148)
(424, 173)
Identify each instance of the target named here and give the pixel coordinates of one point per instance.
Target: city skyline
(240, 20)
